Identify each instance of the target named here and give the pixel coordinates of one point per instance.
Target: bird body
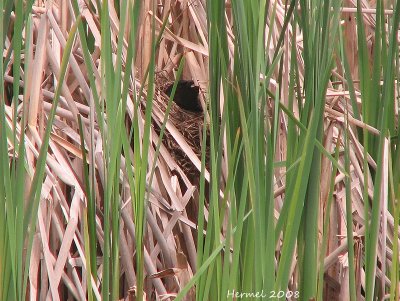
(186, 95)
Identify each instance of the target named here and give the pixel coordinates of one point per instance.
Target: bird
(186, 95)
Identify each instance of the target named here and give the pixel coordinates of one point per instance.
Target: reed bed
(284, 187)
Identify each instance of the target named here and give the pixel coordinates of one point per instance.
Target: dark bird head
(186, 95)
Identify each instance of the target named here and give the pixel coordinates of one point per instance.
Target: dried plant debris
(188, 120)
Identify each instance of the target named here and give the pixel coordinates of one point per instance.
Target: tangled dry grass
(56, 267)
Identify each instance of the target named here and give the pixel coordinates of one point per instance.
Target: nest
(190, 126)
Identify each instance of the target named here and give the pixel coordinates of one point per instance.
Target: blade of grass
(34, 194)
